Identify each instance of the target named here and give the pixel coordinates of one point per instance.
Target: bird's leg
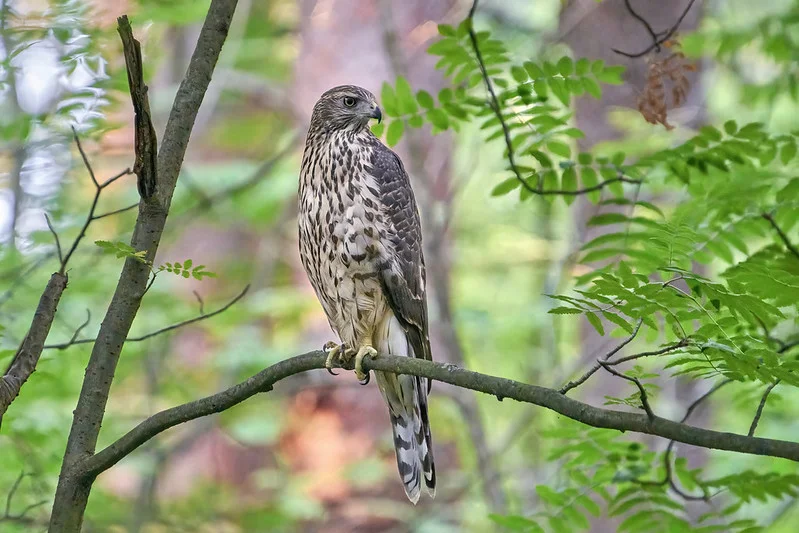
(334, 353)
(364, 351)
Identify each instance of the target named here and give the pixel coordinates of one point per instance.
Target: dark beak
(376, 113)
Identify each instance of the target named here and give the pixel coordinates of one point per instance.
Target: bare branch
(85, 159)
(57, 242)
(198, 318)
(760, 407)
(495, 386)
(658, 38)
(26, 358)
(145, 139)
(116, 211)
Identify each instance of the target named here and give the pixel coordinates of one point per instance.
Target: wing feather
(403, 274)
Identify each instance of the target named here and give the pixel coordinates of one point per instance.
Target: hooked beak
(376, 113)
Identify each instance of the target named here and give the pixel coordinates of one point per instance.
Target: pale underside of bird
(361, 246)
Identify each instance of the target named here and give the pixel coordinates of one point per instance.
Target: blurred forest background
(316, 453)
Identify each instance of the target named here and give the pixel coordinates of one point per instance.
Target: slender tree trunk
(74, 487)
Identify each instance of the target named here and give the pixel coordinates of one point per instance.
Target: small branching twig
(668, 478)
(8, 516)
(199, 301)
(760, 407)
(637, 382)
(572, 384)
(57, 241)
(201, 316)
(658, 38)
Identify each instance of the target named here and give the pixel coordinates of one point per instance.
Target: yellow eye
(349, 101)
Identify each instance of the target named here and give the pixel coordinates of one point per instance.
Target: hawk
(361, 245)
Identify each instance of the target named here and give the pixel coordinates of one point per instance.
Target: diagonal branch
(202, 316)
(760, 407)
(446, 373)
(788, 244)
(26, 358)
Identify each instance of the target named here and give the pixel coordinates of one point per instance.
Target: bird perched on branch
(361, 245)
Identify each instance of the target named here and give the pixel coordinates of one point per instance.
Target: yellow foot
(363, 351)
(334, 354)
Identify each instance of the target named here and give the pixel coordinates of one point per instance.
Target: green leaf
(506, 186)
(559, 148)
(519, 74)
(446, 30)
(388, 100)
(395, 131)
(406, 103)
(565, 66)
(592, 87)
(596, 322)
(425, 100)
(439, 118)
(565, 311)
(611, 75)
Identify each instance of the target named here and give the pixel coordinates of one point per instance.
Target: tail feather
(412, 440)
(406, 397)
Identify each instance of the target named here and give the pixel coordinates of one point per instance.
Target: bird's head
(345, 107)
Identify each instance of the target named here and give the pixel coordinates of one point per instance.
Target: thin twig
(13, 491)
(783, 236)
(57, 242)
(116, 211)
(82, 326)
(646, 24)
(676, 346)
(572, 384)
(199, 301)
(641, 389)
(201, 316)
(657, 41)
(668, 477)
(86, 162)
(760, 407)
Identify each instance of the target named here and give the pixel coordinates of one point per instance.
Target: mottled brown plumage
(361, 245)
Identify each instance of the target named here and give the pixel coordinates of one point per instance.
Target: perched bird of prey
(361, 245)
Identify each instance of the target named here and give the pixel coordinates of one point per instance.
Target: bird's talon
(334, 352)
(363, 351)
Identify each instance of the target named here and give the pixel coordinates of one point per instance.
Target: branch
(26, 358)
(669, 475)
(201, 316)
(760, 408)
(641, 389)
(145, 139)
(657, 38)
(445, 373)
(783, 236)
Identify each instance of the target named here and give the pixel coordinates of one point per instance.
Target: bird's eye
(349, 101)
